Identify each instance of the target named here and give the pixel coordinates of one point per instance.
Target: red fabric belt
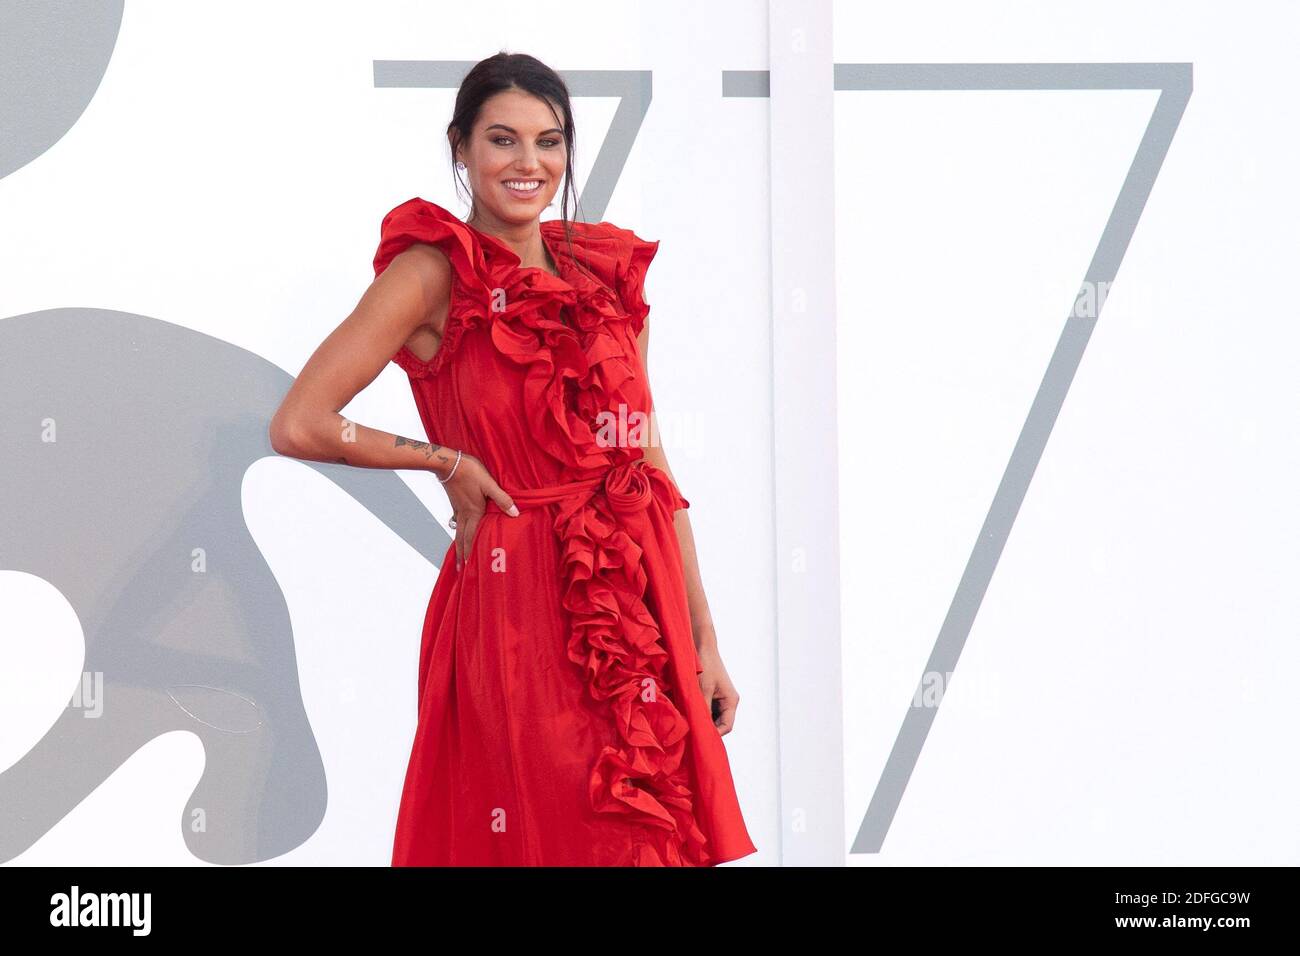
(550, 494)
(628, 486)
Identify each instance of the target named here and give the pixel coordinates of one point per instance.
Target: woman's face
(515, 157)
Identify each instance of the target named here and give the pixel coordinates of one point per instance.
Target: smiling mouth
(523, 187)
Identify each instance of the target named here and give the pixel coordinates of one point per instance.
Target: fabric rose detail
(627, 486)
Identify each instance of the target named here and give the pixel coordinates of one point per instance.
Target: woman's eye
(508, 141)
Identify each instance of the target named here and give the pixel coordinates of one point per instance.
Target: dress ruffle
(618, 643)
(631, 279)
(600, 260)
(417, 221)
(570, 334)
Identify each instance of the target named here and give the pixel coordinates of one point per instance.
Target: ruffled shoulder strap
(618, 257)
(418, 220)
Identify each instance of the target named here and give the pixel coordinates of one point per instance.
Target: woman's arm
(412, 292)
(714, 680)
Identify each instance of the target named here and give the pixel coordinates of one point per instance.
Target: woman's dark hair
(514, 71)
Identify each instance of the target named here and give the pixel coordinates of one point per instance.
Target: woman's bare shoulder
(425, 271)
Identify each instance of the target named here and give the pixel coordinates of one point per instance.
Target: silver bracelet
(453, 469)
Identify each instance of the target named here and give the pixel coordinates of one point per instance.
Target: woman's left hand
(718, 689)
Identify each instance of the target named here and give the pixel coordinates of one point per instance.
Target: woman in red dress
(571, 697)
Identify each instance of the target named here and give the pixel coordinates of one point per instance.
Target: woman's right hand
(469, 490)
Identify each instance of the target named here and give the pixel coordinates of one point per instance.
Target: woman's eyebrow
(514, 132)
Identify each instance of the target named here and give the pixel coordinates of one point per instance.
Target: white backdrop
(1118, 698)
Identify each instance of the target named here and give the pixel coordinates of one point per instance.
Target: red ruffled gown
(561, 722)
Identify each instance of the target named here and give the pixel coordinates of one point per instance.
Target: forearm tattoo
(429, 449)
